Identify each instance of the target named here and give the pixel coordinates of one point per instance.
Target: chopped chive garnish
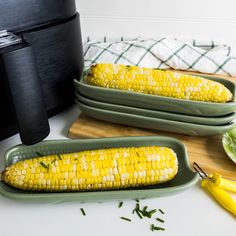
(124, 218)
(46, 166)
(83, 212)
(137, 206)
(152, 212)
(137, 200)
(153, 227)
(39, 154)
(59, 156)
(162, 212)
(160, 220)
(146, 213)
(53, 161)
(138, 213)
(120, 204)
(158, 228)
(128, 68)
(137, 154)
(133, 211)
(145, 209)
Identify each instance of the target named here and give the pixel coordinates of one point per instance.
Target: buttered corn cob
(103, 169)
(157, 82)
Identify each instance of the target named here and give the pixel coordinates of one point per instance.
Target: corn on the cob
(103, 169)
(157, 82)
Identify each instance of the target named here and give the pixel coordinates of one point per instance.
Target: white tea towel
(193, 55)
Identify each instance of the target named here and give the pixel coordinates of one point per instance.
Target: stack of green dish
(157, 112)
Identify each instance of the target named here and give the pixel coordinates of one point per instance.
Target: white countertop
(192, 212)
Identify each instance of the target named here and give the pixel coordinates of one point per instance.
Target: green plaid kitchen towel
(162, 52)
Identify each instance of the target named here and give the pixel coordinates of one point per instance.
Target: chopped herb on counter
(150, 213)
(83, 212)
(124, 218)
(153, 228)
(162, 212)
(145, 209)
(137, 207)
(138, 213)
(120, 204)
(145, 212)
(160, 220)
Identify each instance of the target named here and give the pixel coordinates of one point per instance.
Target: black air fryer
(40, 55)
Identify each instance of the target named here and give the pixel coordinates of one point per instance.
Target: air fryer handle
(26, 92)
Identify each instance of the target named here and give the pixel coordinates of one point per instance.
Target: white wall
(200, 19)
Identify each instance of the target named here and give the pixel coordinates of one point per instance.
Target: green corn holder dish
(221, 120)
(159, 103)
(182, 181)
(153, 123)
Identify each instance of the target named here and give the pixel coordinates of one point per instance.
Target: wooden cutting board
(208, 152)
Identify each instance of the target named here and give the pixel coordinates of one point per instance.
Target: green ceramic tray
(157, 114)
(153, 123)
(183, 180)
(160, 103)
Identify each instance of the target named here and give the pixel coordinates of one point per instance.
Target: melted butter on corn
(157, 82)
(103, 169)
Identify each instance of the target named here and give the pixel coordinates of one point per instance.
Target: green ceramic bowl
(153, 123)
(183, 180)
(159, 103)
(221, 120)
(229, 144)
